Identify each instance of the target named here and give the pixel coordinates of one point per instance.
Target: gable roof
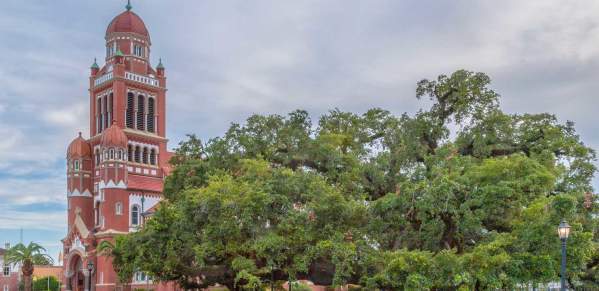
(80, 227)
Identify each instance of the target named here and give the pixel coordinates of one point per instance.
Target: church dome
(114, 137)
(128, 22)
(79, 148)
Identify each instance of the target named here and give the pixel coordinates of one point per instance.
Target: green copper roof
(128, 7)
(160, 65)
(95, 64)
(119, 53)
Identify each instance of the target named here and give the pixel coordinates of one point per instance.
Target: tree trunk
(27, 270)
(27, 282)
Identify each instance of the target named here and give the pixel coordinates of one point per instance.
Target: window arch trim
(118, 208)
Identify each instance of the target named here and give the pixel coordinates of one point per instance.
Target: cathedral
(115, 177)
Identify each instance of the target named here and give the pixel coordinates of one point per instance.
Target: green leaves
(458, 196)
(31, 254)
(49, 283)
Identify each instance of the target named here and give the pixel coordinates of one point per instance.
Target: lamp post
(90, 268)
(563, 230)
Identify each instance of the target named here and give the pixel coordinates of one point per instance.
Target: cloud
(69, 117)
(46, 188)
(32, 219)
(226, 60)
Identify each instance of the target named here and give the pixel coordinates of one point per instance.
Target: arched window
(105, 111)
(111, 49)
(105, 155)
(119, 155)
(151, 114)
(145, 156)
(135, 215)
(109, 110)
(76, 165)
(111, 156)
(130, 119)
(153, 157)
(99, 115)
(118, 208)
(97, 157)
(137, 154)
(97, 213)
(141, 106)
(129, 153)
(138, 50)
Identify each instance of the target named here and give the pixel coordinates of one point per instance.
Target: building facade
(116, 174)
(42, 271)
(10, 278)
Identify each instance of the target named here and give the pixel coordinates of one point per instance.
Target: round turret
(79, 148)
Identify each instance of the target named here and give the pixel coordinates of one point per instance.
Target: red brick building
(9, 278)
(117, 173)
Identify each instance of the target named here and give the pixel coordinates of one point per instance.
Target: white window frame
(141, 277)
(137, 216)
(97, 214)
(6, 270)
(118, 208)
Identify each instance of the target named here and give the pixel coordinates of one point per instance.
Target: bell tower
(116, 175)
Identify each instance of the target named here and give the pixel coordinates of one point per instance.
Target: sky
(226, 60)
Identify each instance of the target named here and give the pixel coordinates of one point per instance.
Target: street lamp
(563, 230)
(90, 268)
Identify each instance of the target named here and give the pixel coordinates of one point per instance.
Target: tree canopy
(27, 256)
(460, 195)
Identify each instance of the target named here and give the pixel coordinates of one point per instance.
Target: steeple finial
(128, 5)
(95, 64)
(160, 65)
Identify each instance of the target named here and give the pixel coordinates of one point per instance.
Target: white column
(86, 280)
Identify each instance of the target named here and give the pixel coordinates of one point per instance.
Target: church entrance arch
(76, 272)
